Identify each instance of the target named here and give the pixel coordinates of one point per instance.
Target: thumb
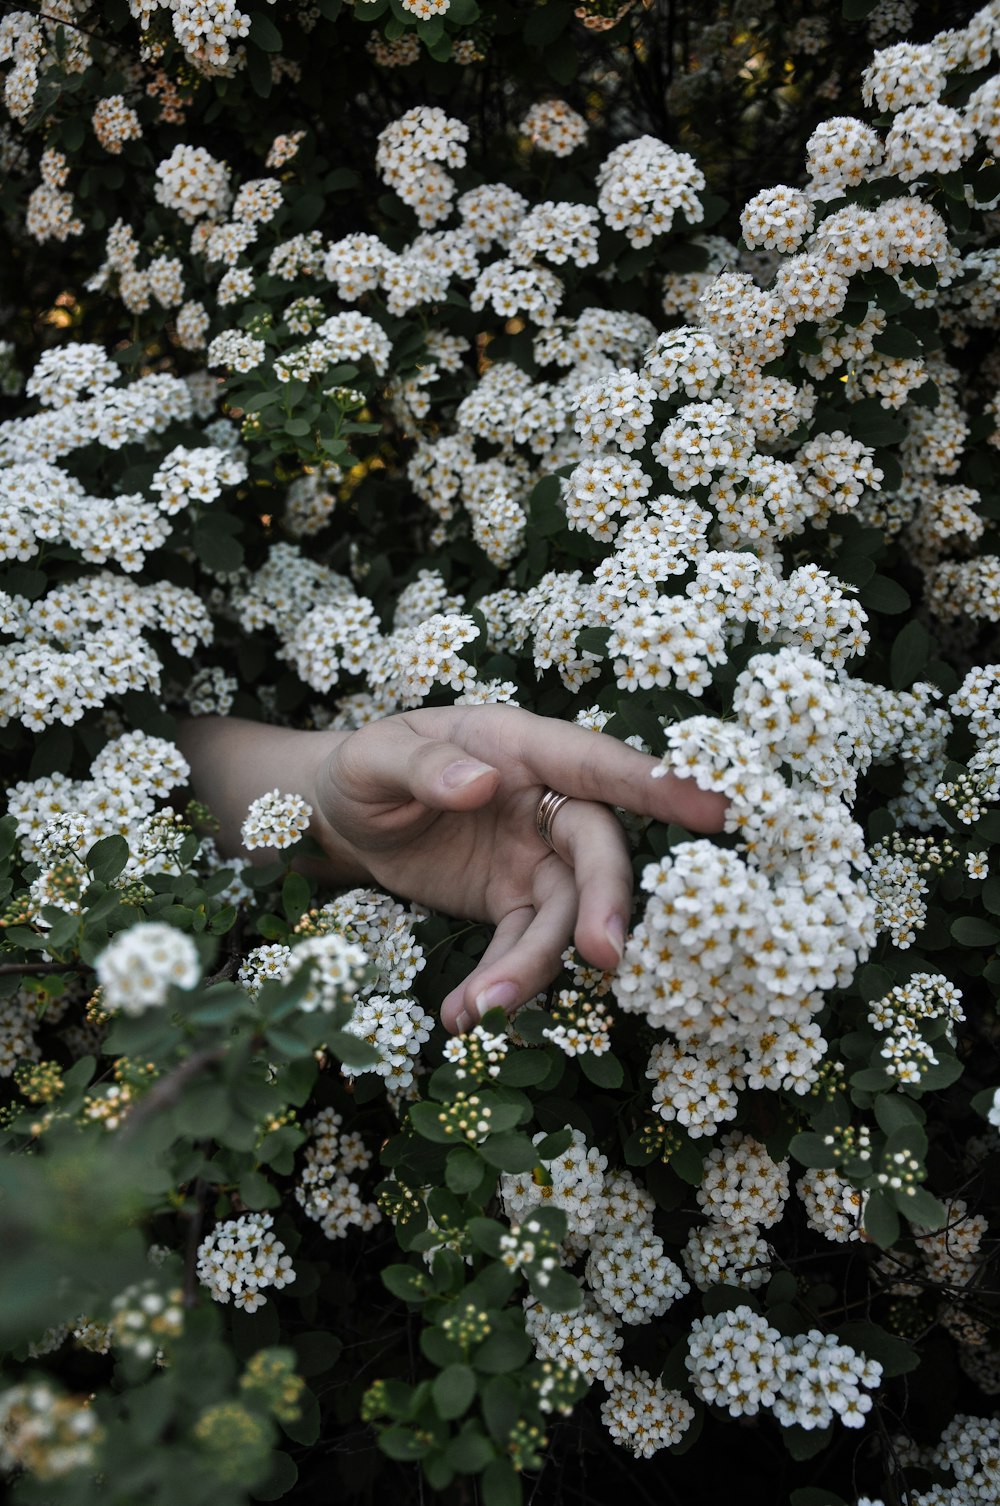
(388, 762)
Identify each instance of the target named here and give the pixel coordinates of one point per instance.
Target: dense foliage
(632, 363)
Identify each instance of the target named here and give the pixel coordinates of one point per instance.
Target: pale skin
(438, 807)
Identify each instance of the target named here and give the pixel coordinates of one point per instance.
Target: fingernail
(464, 771)
(615, 932)
(497, 996)
(463, 1023)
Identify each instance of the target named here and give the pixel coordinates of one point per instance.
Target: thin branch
(166, 1092)
(13, 969)
(202, 1189)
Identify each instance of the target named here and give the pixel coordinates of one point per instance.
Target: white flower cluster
(241, 1258)
(410, 155)
(951, 1254)
(275, 820)
(736, 950)
(642, 1415)
(553, 126)
(195, 475)
(644, 184)
(476, 1048)
(336, 969)
(18, 1021)
(58, 817)
(833, 1207)
(45, 1432)
(139, 966)
(582, 1023)
(85, 641)
(411, 662)
(737, 1360)
(193, 184)
(741, 1186)
(629, 1279)
(145, 1317)
(324, 1188)
(576, 1187)
(924, 996)
(385, 1014)
(722, 1255)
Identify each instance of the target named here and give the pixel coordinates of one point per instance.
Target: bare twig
(12, 969)
(202, 1189)
(166, 1092)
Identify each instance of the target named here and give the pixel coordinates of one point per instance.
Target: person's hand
(438, 806)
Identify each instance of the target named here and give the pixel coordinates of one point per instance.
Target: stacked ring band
(548, 807)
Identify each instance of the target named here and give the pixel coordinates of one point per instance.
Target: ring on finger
(548, 808)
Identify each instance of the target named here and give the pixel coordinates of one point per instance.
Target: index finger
(595, 766)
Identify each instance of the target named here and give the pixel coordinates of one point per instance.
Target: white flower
(139, 966)
(275, 820)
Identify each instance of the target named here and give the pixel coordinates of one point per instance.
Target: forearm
(234, 761)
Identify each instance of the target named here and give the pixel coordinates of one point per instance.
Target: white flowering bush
(632, 364)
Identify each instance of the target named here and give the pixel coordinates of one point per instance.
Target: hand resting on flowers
(438, 807)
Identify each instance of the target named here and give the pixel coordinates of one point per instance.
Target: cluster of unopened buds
(467, 1118)
(467, 1327)
(477, 1055)
(529, 1244)
(580, 1024)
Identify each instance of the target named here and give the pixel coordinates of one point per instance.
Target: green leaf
(305, 1428)
(509, 1152)
(874, 982)
(257, 1192)
(524, 1068)
(805, 1443)
(407, 1282)
(264, 34)
(688, 1162)
(281, 1478)
(971, 931)
(545, 23)
(553, 1145)
(453, 1391)
(352, 1050)
(900, 341)
(922, 1207)
(815, 1495)
(594, 640)
(872, 1079)
(501, 1484)
(910, 653)
(464, 1169)
(501, 1402)
(400, 1443)
(296, 896)
(894, 1112)
(724, 1298)
(557, 1290)
(486, 1234)
(881, 1221)
(874, 425)
(505, 1350)
(894, 1355)
(857, 10)
(426, 1120)
(471, 1451)
(107, 858)
(217, 550)
(316, 1352)
(883, 595)
(605, 1071)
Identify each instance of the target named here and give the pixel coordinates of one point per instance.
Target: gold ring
(548, 807)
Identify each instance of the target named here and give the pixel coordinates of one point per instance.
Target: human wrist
(343, 863)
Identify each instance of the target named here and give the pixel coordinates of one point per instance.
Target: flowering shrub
(316, 411)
